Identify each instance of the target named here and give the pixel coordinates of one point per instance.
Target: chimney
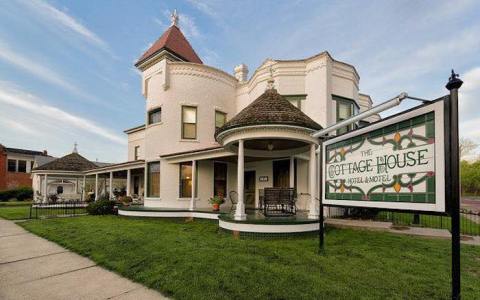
(45, 152)
(241, 72)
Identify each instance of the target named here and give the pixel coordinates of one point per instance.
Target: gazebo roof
(71, 162)
(270, 108)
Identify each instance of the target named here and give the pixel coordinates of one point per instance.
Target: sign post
(406, 162)
(453, 183)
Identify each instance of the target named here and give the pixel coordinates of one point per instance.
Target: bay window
(345, 110)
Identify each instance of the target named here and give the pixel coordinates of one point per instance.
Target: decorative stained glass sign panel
(397, 163)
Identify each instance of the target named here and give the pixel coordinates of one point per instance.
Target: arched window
(59, 189)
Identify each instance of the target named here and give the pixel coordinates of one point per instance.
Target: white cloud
(32, 67)
(204, 7)
(186, 23)
(43, 72)
(17, 126)
(13, 96)
(55, 17)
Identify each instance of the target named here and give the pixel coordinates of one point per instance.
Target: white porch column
(45, 184)
(83, 187)
(194, 187)
(96, 187)
(129, 174)
(292, 171)
(313, 211)
(110, 186)
(240, 211)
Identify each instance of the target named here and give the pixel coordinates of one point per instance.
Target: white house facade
(210, 133)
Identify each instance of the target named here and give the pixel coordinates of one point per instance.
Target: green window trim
(351, 106)
(189, 126)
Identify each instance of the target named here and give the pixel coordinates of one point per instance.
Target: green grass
(193, 261)
(467, 226)
(15, 203)
(14, 212)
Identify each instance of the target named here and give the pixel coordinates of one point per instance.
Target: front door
(249, 188)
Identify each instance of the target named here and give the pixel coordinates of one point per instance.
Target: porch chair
(233, 196)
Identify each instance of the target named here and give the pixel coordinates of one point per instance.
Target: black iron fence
(49, 210)
(469, 220)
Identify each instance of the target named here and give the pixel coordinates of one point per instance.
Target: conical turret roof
(270, 108)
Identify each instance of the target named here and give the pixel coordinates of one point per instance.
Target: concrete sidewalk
(34, 268)
(388, 227)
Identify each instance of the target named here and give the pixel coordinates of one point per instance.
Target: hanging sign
(396, 163)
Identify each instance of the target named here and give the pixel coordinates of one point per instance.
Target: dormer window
(220, 119)
(155, 116)
(189, 122)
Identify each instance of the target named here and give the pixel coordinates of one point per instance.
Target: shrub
(101, 207)
(21, 194)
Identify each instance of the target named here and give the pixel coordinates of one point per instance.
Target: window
(220, 119)
(136, 151)
(220, 179)
(153, 188)
(345, 109)
(31, 165)
(22, 166)
(186, 180)
(12, 165)
(189, 122)
(296, 100)
(155, 116)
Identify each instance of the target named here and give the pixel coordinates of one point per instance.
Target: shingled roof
(70, 162)
(270, 108)
(175, 42)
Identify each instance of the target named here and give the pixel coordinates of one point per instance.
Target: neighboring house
(209, 133)
(16, 165)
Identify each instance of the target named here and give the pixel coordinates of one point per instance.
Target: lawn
(467, 226)
(14, 212)
(192, 260)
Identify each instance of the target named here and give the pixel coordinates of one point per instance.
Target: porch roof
(270, 108)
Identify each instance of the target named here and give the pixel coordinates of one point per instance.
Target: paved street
(34, 268)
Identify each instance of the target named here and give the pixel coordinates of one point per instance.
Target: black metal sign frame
(452, 181)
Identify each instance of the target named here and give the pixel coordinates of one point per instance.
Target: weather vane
(174, 18)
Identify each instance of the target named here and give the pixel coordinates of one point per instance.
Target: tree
(466, 147)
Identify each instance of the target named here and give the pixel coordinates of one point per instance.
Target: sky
(67, 74)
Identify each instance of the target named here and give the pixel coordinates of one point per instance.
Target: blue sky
(67, 75)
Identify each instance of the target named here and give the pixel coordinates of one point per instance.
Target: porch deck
(256, 222)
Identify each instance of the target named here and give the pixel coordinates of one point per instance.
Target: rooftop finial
(454, 82)
(270, 80)
(75, 150)
(174, 18)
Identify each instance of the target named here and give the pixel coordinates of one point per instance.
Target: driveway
(34, 268)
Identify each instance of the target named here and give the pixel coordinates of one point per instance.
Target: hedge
(20, 194)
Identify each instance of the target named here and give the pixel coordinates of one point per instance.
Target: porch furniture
(233, 196)
(279, 202)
